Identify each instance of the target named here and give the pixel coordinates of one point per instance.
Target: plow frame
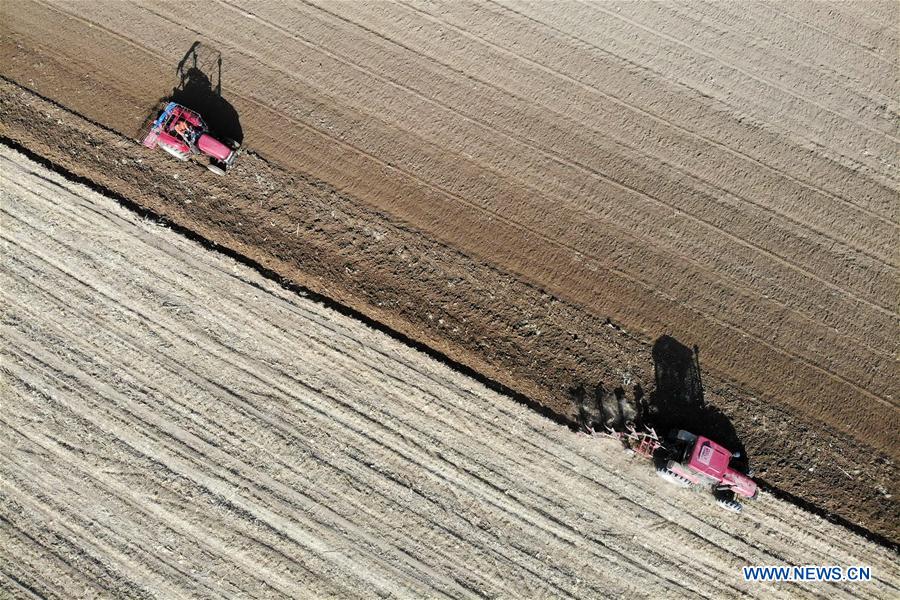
(645, 443)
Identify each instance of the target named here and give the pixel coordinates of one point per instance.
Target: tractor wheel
(216, 169)
(173, 152)
(730, 505)
(673, 477)
(685, 436)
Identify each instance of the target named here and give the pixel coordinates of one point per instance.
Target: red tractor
(692, 460)
(182, 133)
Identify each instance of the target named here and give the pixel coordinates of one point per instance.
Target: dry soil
(539, 191)
(175, 425)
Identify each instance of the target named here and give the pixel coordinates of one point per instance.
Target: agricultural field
(176, 425)
(684, 212)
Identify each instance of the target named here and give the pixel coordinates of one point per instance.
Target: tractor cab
(708, 457)
(182, 132)
(176, 131)
(695, 459)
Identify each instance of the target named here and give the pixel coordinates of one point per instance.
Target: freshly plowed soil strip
(175, 425)
(514, 177)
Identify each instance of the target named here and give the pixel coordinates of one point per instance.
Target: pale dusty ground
(174, 425)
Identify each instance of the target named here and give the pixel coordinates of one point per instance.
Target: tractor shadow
(678, 402)
(198, 86)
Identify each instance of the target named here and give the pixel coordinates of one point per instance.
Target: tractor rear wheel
(673, 477)
(730, 505)
(685, 436)
(173, 152)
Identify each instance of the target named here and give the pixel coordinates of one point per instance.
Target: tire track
(323, 423)
(673, 550)
(210, 426)
(208, 544)
(554, 531)
(219, 484)
(505, 91)
(855, 75)
(655, 32)
(780, 9)
(740, 241)
(644, 112)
